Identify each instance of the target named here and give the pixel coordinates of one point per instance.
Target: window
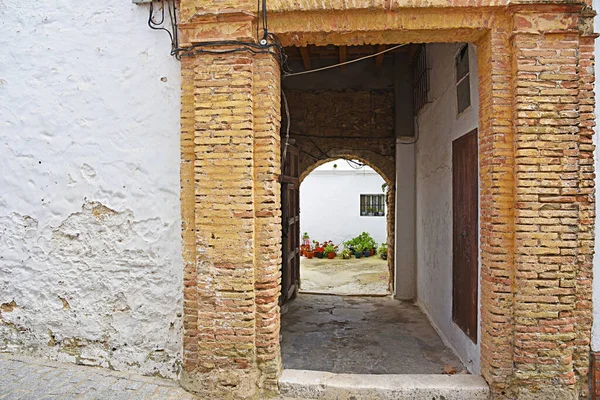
(372, 205)
(463, 86)
(420, 80)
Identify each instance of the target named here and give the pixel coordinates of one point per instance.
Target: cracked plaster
(90, 227)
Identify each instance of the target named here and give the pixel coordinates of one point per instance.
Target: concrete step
(327, 386)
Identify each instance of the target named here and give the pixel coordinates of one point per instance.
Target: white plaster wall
(406, 271)
(596, 281)
(330, 203)
(90, 257)
(438, 125)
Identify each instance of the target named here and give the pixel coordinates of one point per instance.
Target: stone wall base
(224, 384)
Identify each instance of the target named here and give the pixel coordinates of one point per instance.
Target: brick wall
(537, 194)
(327, 124)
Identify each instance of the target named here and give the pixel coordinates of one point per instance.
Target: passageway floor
(362, 335)
(362, 276)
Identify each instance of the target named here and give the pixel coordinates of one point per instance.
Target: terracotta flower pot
(331, 256)
(309, 254)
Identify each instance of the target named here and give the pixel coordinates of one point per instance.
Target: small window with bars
(463, 86)
(372, 205)
(420, 79)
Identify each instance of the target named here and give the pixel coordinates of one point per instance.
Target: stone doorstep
(328, 386)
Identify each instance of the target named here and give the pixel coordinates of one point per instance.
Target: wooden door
(465, 254)
(290, 230)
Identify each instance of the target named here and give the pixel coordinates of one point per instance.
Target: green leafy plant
(346, 254)
(358, 248)
(329, 248)
(382, 249)
(364, 239)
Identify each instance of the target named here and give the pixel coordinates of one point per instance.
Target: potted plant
(305, 243)
(308, 252)
(382, 251)
(318, 249)
(346, 254)
(358, 251)
(329, 250)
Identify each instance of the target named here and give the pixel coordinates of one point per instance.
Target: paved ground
(25, 378)
(362, 335)
(363, 276)
(36, 379)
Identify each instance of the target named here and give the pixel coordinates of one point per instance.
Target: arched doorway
(345, 200)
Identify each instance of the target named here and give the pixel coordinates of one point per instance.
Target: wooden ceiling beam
(305, 57)
(379, 58)
(343, 56)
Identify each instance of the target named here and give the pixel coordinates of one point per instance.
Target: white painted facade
(90, 228)
(330, 203)
(424, 221)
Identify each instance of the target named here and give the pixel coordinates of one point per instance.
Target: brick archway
(380, 165)
(385, 168)
(536, 166)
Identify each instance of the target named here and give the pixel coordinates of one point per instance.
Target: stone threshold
(321, 385)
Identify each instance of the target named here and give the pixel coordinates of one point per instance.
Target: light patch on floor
(362, 276)
(362, 335)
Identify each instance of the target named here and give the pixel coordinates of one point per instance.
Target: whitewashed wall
(330, 203)
(596, 281)
(90, 264)
(438, 126)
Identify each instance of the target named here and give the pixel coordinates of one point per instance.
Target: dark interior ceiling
(311, 57)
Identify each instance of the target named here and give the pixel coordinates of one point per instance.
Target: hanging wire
(287, 130)
(355, 164)
(311, 71)
(158, 25)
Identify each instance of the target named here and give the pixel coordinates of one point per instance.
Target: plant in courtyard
(358, 250)
(330, 249)
(319, 248)
(364, 239)
(382, 251)
(346, 254)
(305, 243)
(308, 251)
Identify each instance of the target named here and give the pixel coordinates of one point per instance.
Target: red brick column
(224, 227)
(587, 213)
(496, 158)
(267, 262)
(553, 188)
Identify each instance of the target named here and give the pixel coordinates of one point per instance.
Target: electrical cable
(157, 25)
(342, 137)
(417, 135)
(287, 131)
(346, 62)
(357, 164)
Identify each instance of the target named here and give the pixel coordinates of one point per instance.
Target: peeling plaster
(90, 227)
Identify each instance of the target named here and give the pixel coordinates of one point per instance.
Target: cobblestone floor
(26, 378)
(36, 379)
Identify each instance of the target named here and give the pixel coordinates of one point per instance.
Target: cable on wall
(287, 130)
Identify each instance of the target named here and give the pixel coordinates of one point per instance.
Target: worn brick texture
(327, 124)
(537, 181)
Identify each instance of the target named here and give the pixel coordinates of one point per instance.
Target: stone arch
(385, 168)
